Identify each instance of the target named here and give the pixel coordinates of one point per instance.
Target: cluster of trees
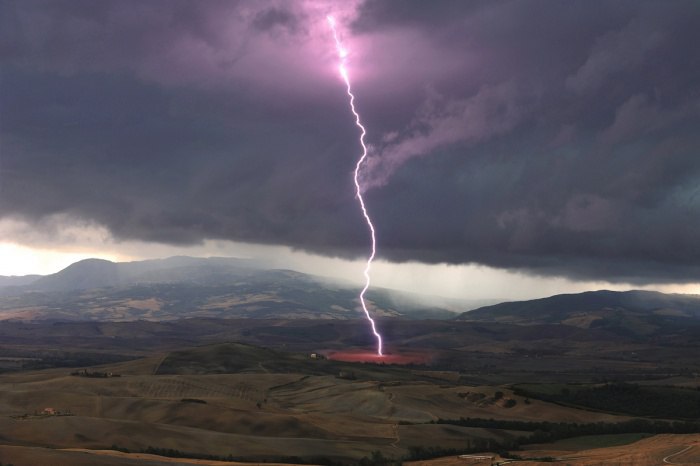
(95, 374)
(375, 459)
(173, 453)
(418, 453)
(546, 431)
(48, 360)
(627, 398)
(193, 400)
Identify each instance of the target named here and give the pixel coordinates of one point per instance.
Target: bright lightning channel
(342, 54)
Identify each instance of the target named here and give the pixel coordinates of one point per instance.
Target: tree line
(547, 431)
(626, 398)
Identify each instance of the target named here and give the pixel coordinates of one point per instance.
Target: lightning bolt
(342, 54)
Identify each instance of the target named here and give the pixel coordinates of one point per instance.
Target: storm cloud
(556, 138)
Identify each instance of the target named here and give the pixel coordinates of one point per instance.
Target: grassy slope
(298, 415)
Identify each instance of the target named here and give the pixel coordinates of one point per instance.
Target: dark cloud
(377, 14)
(275, 17)
(552, 137)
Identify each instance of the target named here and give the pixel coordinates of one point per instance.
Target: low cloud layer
(557, 138)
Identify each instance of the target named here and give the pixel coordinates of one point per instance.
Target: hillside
(249, 389)
(251, 403)
(178, 287)
(629, 312)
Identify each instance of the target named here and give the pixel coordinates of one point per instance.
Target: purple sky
(550, 138)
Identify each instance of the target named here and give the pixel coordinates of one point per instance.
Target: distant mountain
(98, 273)
(631, 312)
(18, 280)
(89, 273)
(179, 287)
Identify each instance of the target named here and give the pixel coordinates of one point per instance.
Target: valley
(203, 388)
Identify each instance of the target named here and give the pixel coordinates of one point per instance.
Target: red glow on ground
(361, 355)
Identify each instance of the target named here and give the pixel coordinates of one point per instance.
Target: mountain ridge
(636, 313)
(181, 286)
(101, 273)
(17, 280)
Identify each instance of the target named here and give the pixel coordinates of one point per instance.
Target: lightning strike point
(342, 54)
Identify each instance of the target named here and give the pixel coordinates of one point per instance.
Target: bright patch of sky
(44, 255)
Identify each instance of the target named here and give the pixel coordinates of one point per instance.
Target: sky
(517, 148)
